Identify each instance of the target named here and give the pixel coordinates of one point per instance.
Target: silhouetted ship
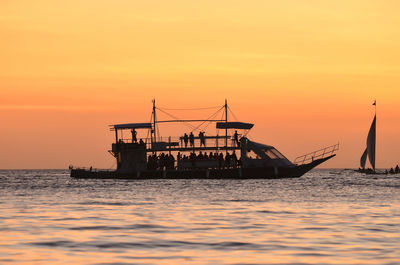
(186, 156)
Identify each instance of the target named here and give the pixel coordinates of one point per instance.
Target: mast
(154, 121)
(374, 136)
(226, 129)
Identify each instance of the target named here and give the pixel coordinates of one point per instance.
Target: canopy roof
(234, 125)
(146, 125)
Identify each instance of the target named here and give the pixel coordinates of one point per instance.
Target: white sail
(371, 144)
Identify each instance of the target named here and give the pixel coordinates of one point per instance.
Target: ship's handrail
(318, 154)
(176, 142)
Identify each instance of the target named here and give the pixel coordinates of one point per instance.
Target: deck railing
(321, 153)
(176, 142)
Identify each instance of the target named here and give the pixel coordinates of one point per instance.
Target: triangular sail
(371, 143)
(363, 158)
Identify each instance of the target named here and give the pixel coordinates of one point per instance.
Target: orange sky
(305, 72)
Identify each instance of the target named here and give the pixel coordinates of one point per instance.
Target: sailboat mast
(375, 136)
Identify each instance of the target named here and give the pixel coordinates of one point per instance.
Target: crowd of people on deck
(167, 161)
(161, 161)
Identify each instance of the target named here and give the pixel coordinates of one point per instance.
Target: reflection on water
(325, 217)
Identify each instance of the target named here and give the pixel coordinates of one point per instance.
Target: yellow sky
(306, 72)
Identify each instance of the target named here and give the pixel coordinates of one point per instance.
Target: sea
(328, 216)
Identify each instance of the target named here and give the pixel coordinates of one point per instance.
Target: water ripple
(325, 217)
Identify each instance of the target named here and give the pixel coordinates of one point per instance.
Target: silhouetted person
(236, 138)
(391, 171)
(202, 139)
(227, 160)
(134, 133)
(185, 139)
(141, 141)
(191, 138)
(397, 169)
(234, 159)
(171, 162)
(192, 159)
(220, 160)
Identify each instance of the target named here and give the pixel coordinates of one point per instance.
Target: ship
(229, 155)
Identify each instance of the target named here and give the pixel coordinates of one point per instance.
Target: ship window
(277, 153)
(252, 155)
(270, 154)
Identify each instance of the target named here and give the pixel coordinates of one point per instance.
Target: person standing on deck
(191, 138)
(236, 138)
(202, 139)
(134, 133)
(185, 139)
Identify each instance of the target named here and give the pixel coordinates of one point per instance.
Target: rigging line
(147, 136)
(158, 133)
(209, 118)
(233, 114)
(205, 122)
(172, 116)
(222, 116)
(192, 108)
(215, 114)
(206, 126)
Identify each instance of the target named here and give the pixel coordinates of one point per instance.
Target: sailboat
(370, 149)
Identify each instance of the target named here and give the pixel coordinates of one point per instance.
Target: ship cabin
(138, 148)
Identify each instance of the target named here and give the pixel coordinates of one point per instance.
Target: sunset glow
(305, 72)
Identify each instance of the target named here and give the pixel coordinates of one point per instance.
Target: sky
(306, 72)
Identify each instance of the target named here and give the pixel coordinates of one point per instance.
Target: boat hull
(371, 172)
(229, 173)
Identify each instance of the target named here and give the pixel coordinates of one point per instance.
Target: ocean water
(324, 217)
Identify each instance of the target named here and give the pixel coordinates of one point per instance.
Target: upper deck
(177, 144)
(192, 141)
